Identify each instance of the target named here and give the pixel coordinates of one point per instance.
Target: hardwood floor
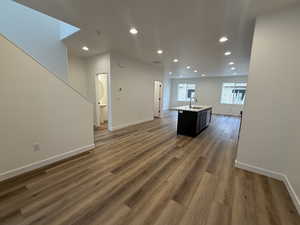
(103, 127)
(146, 175)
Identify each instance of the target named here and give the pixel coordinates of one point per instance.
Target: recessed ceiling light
(203, 75)
(227, 53)
(233, 68)
(195, 71)
(231, 63)
(133, 30)
(159, 51)
(175, 60)
(223, 39)
(188, 67)
(170, 73)
(85, 48)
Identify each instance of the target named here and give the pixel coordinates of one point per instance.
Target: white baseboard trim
(129, 124)
(45, 162)
(227, 114)
(261, 171)
(292, 193)
(276, 175)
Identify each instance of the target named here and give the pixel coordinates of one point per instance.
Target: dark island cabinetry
(192, 122)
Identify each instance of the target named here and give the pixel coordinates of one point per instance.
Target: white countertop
(195, 108)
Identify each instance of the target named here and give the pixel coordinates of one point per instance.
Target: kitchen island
(193, 120)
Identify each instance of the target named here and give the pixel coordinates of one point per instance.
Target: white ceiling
(185, 29)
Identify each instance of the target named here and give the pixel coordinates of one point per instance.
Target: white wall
(134, 103)
(271, 127)
(37, 34)
(208, 91)
(36, 107)
(78, 74)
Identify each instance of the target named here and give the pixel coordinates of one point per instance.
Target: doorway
(158, 91)
(102, 100)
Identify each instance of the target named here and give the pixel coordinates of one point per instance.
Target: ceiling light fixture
(175, 60)
(227, 53)
(85, 48)
(159, 51)
(133, 31)
(233, 68)
(195, 71)
(231, 63)
(223, 39)
(188, 67)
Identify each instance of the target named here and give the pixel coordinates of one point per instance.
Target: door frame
(97, 110)
(160, 98)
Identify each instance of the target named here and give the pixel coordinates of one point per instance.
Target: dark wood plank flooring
(147, 175)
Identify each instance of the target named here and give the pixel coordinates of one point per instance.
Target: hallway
(146, 174)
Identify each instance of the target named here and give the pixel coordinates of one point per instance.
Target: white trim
(161, 92)
(227, 114)
(21, 170)
(292, 193)
(262, 171)
(129, 124)
(276, 175)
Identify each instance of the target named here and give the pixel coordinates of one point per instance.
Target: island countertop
(194, 108)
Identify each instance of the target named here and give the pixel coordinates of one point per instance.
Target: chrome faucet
(193, 98)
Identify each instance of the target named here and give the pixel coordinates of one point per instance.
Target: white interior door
(97, 108)
(157, 98)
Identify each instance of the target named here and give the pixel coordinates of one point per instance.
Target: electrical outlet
(36, 147)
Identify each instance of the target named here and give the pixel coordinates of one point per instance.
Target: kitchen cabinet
(193, 122)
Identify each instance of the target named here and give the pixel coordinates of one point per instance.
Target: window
(185, 91)
(233, 93)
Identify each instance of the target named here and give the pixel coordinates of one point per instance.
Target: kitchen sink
(196, 107)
